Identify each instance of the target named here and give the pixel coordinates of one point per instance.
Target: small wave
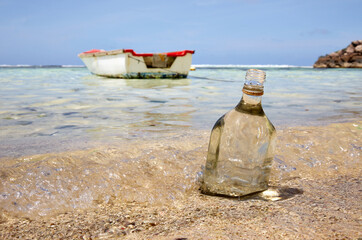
(73, 66)
(195, 65)
(40, 66)
(15, 66)
(247, 66)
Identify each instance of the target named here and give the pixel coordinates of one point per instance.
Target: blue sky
(221, 31)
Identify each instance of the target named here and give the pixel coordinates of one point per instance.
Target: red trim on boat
(170, 54)
(179, 53)
(138, 54)
(94, 51)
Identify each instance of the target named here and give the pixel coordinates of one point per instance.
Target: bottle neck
(251, 99)
(253, 90)
(250, 104)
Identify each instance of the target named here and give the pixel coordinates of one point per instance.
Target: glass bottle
(241, 145)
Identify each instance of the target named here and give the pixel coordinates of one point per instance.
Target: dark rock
(356, 59)
(356, 65)
(320, 65)
(358, 48)
(349, 57)
(345, 58)
(357, 42)
(334, 54)
(346, 65)
(350, 49)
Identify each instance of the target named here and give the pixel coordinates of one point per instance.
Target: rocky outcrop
(349, 57)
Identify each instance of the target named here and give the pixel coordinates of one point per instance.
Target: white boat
(125, 63)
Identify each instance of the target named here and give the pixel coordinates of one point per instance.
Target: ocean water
(69, 139)
(59, 108)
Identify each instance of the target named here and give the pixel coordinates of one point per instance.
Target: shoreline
(47, 145)
(316, 170)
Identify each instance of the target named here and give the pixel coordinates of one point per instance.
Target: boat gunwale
(132, 52)
(101, 53)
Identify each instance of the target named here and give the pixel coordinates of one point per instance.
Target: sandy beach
(106, 111)
(316, 174)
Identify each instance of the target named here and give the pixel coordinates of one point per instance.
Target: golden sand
(150, 191)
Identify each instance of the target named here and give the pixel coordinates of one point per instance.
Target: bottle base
(232, 191)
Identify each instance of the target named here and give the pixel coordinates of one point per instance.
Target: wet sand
(316, 172)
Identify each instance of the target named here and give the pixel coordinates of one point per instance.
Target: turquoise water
(135, 136)
(64, 108)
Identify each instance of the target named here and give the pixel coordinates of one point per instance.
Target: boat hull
(128, 64)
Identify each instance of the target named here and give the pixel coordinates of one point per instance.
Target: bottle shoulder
(252, 109)
(239, 119)
(220, 122)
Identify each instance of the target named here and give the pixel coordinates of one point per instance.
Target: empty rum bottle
(241, 145)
